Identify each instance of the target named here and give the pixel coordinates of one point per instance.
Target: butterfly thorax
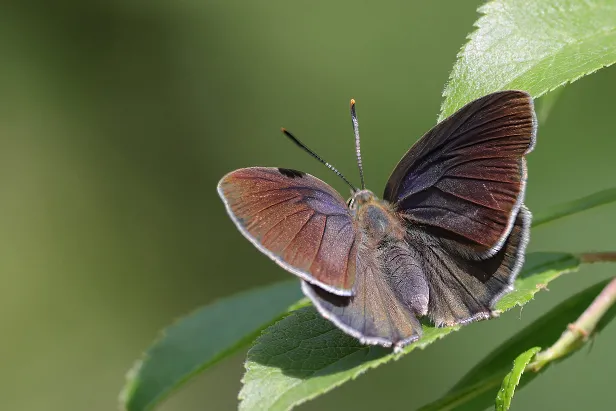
(375, 217)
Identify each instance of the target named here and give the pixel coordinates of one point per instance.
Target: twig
(578, 332)
(604, 257)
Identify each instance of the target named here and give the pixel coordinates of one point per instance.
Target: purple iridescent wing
(297, 220)
(465, 178)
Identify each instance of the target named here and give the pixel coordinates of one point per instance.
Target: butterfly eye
(351, 203)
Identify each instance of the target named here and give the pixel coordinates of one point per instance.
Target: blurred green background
(119, 117)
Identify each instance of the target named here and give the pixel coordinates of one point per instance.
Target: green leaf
(575, 206)
(304, 355)
(478, 388)
(511, 380)
(532, 45)
(203, 338)
(539, 269)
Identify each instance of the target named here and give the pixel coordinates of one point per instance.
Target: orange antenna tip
(352, 101)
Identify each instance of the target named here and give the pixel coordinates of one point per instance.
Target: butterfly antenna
(357, 144)
(313, 154)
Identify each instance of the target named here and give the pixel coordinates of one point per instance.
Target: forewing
(464, 290)
(467, 175)
(390, 291)
(297, 220)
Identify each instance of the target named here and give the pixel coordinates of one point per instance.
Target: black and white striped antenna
(313, 154)
(357, 143)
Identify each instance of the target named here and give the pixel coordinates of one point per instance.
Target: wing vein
(460, 282)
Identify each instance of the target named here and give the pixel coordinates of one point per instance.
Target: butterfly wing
(464, 290)
(397, 283)
(390, 292)
(297, 220)
(466, 177)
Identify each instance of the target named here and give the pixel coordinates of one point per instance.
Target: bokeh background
(117, 118)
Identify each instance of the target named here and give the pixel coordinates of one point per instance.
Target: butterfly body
(375, 218)
(446, 241)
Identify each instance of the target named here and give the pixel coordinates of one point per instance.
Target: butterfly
(445, 242)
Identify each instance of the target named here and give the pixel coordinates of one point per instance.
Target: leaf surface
(512, 379)
(203, 338)
(531, 45)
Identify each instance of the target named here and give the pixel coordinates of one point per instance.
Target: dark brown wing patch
(467, 175)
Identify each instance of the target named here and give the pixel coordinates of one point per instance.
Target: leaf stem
(578, 332)
(603, 257)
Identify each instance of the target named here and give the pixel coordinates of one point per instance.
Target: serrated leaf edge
(505, 393)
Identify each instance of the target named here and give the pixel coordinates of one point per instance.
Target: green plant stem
(578, 332)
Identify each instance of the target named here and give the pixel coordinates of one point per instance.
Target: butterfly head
(360, 198)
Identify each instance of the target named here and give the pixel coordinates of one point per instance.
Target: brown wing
(466, 177)
(463, 290)
(390, 292)
(297, 220)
